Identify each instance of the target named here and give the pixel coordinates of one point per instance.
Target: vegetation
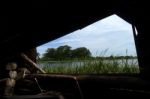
(63, 53)
(95, 67)
(66, 53)
(64, 60)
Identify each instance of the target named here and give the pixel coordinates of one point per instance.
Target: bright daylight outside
(106, 46)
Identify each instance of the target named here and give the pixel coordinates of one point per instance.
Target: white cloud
(111, 33)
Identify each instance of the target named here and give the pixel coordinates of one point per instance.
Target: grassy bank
(97, 66)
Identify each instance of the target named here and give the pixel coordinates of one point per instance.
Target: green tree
(65, 53)
(81, 52)
(50, 54)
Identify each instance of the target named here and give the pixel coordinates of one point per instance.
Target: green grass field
(97, 66)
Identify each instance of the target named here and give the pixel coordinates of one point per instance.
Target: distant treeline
(117, 57)
(67, 53)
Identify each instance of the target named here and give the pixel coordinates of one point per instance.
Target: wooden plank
(30, 62)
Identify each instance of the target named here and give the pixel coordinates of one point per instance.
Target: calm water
(121, 62)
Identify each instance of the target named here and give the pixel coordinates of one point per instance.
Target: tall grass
(96, 66)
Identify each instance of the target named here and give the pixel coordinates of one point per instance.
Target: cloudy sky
(112, 34)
